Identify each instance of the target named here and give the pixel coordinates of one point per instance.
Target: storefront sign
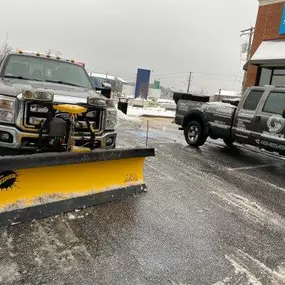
(282, 25)
(142, 85)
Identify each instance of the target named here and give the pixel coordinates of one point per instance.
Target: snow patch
(253, 210)
(248, 270)
(8, 240)
(276, 276)
(151, 112)
(71, 216)
(59, 244)
(241, 270)
(9, 273)
(121, 117)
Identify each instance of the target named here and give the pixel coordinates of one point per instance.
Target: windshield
(42, 69)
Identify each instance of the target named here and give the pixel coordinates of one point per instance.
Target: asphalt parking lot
(212, 215)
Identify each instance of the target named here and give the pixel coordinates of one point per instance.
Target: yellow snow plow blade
(41, 185)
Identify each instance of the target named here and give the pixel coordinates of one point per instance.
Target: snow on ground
(151, 112)
(124, 118)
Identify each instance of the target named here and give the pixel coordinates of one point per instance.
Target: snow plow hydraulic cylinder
(41, 185)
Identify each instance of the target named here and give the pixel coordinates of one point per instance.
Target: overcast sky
(170, 37)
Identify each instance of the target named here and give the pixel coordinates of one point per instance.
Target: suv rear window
(252, 100)
(275, 103)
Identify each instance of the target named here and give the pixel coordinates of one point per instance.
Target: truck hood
(63, 93)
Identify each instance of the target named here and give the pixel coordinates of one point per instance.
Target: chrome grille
(35, 113)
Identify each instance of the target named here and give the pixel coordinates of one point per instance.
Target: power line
(218, 75)
(181, 74)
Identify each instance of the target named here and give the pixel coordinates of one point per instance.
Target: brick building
(267, 62)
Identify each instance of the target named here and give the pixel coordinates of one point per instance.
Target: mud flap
(41, 185)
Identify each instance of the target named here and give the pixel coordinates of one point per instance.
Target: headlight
(7, 109)
(95, 101)
(38, 95)
(7, 104)
(111, 119)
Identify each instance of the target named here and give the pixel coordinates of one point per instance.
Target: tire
(194, 134)
(229, 142)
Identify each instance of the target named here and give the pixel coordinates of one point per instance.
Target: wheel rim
(193, 133)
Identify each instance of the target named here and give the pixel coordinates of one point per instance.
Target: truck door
(244, 121)
(270, 123)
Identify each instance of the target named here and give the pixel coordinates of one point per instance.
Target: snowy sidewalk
(150, 112)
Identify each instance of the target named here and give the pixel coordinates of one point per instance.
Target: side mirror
(283, 114)
(106, 90)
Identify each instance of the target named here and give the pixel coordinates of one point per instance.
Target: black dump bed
(191, 97)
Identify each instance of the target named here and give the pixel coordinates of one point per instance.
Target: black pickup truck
(257, 119)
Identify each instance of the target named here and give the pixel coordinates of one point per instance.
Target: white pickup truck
(69, 82)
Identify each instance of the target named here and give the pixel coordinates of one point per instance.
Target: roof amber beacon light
(38, 54)
(20, 52)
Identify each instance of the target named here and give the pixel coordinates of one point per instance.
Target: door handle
(257, 119)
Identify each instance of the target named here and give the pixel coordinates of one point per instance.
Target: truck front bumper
(11, 137)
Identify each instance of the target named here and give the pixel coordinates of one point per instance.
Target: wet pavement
(211, 216)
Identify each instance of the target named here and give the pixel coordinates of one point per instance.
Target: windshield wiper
(20, 77)
(62, 82)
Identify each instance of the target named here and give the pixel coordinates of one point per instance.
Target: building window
(265, 76)
(271, 76)
(252, 100)
(275, 103)
(278, 78)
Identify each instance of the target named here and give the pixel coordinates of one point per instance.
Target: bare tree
(49, 52)
(55, 52)
(58, 53)
(4, 49)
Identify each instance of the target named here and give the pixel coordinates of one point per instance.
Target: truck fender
(196, 115)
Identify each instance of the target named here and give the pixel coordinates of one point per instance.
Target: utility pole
(250, 33)
(189, 82)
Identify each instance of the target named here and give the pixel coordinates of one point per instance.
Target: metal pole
(249, 44)
(147, 130)
(250, 33)
(189, 82)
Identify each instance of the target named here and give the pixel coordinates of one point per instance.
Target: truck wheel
(194, 134)
(229, 142)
